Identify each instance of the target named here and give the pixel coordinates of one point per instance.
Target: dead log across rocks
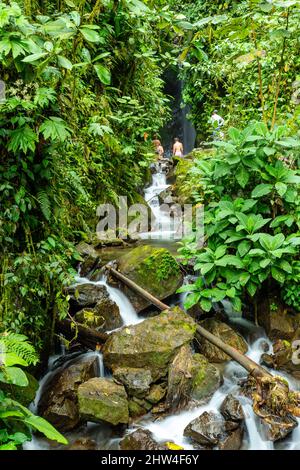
(254, 369)
(86, 336)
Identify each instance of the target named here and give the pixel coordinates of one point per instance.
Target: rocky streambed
(154, 383)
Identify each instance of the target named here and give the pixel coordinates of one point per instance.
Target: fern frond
(19, 344)
(45, 204)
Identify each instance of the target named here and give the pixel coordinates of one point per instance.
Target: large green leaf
(41, 425)
(22, 139)
(90, 35)
(55, 128)
(261, 190)
(14, 376)
(103, 74)
(242, 176)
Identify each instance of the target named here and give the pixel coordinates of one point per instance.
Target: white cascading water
(172, 427)
(127, 312)
(163, 226)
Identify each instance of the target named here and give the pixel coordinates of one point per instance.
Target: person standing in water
(177, 148)
(159, 150)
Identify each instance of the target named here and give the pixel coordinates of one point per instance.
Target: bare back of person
(178, 148)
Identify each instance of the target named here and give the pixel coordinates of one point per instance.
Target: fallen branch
(86, 336)
(254, 369)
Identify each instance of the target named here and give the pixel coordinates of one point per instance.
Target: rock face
(136, 381)
(207, 429)
(90, 255)
(179, 378)
(273, 316)
(206, 378)
(190, 377)
(87, 295)
(58, 403)
(211, 430)
(232, 410)
(102, 399)
(154, 269)
(285, 357)
(151, 344)
(279, 427)
(141, 439)
(226, 334)
(105, 316)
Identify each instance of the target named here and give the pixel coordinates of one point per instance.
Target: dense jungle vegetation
(84, 94)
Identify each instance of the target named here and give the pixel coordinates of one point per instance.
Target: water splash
(127, 312)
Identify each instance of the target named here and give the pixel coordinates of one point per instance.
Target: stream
(171, 428)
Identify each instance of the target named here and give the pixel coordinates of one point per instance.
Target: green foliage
(16, 422)
(241, 59)
(291, 295)
(83, 88)
(251, 225)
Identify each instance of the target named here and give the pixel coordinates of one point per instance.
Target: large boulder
(179, 378)
(136, 381)
(275, 318)
(101, 399)
(87, 294)
(105, 316)
(190, 376)
(206, 378)
(232, 410)
(226, 334)
(141, 439)
(154, 269)
(211, 430)
(151, 344)
(58, 403)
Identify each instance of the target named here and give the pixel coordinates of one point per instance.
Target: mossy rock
(154, 269)
(226, 334)
(105, 316)
(206, 378)
(101, 399)
(151, 344)
(136, 381)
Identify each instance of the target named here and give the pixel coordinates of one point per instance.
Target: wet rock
(226, 334)
(231, 409)
(179, 378)
(151, 344)
(136, 409)
(206, 378)
(155, 269)
(276, 320)
(232, 440)
(207, 429)
(156, 393)
(105, 316)
(211, 430)
(101, 399)
(136, 381)
(91, 258)
(278, 427)
(85, 295)
(82, 444)
(141, 439)
(285, 357)
(58, 403)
